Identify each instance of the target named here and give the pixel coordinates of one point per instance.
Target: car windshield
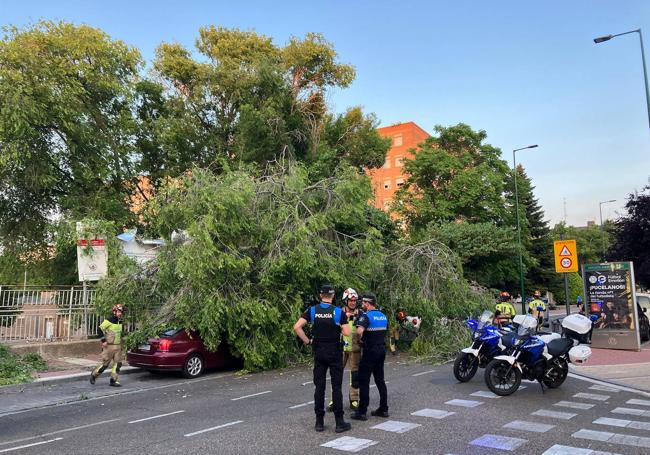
(170, 333)
(527, 326)
(485, 319)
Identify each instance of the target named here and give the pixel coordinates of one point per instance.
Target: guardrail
(31, 313)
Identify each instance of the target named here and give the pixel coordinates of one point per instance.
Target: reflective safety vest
(534, 304)
(349, 342)
(506, 309)
(112, 329)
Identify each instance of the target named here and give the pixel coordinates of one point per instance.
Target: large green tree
(66, 129)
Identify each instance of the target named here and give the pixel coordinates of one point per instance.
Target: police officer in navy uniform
(372, 327)
(328, 322)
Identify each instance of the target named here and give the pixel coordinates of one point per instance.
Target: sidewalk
(627, 368)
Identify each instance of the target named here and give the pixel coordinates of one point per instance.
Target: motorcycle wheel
(559, 373)
(501, 378)
(465, 366)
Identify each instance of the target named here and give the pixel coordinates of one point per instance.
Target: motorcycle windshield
(527, 326)
(485, 319)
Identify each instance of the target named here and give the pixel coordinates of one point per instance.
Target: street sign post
(610, 294)
(566, 261)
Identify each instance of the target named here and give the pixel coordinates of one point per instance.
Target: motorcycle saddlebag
(579, 354)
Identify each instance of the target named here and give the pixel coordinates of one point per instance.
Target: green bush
(17, 369)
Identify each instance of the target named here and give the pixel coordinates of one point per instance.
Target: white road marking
(485, 394)
(612, 438)
(554, 414)
(608, 384)
(631, 411)
(494, 441)
(214, 428)
(535, 427)
(301, 405)
(52, 433)
(574, 405)
(558, 449)
(636, 402)
(622, 423)
(349, 444)
(464, 403)
(592, 396)
(423, 373)
(29, 445)
(251, 395)
(396, 426)
(433, 413)
(156, 417)
(311, 382)
(604, 388)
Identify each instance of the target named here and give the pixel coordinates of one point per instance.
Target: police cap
(326, 289)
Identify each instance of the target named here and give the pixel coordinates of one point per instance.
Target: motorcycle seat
(559, 346)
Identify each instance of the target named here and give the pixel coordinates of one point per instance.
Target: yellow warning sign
(566, 256)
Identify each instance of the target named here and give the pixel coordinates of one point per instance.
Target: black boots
(341, 425)
(92, 378)
(379, 413)
(356, 415)
(115, 383)
(320, 424)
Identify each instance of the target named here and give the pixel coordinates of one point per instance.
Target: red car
(178, 350)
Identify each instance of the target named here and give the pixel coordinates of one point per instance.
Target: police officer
(505, 311)
(111, 331)
(328, 323)
(537, 308)
(372, 327)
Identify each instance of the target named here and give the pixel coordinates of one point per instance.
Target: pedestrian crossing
(604, 431)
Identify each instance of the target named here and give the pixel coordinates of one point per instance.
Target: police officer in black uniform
(328, 322)
(372, 327)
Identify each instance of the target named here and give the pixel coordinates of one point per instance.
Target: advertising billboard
(609, 294)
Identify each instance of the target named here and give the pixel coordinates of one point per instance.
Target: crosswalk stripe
(612, 438)
(495, 441)
(604, 388)
(554, 414)
(631, 411)
(622, 423)
(592, 396)
(485, 394)
(558, 449)
(432, 413)
(535, 427)
(574, 405)
(396, 426)
(349, 444)
(637, 402)
(464, 403)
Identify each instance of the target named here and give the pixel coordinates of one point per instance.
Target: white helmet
(349, 293)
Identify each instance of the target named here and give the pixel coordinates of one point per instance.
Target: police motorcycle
(542, 358)
(486, 344)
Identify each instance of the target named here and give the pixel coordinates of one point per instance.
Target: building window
(399, 182)
(386, 164)
(397, 140)
(386, 184)
(399, 161)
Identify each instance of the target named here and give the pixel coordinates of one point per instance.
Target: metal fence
(30, 313)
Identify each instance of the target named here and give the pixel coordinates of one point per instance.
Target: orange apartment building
(388, 178)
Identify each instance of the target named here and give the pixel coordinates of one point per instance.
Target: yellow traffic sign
(566, 256)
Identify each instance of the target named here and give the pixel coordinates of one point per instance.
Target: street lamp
(521, 261)
(602, 39)
(602, 229)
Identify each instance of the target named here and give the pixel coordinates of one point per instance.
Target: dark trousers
(328, 355)
(372, 363)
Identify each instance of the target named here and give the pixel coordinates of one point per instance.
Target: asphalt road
(271, 413)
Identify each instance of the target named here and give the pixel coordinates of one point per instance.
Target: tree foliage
(632, 236)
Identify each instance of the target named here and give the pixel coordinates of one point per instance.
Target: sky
(525, 72)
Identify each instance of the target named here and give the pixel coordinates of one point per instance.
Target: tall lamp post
(521, 261)
(602, 229)
(602, 39)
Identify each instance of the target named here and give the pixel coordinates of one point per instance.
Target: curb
(615, 384)
(53, 380)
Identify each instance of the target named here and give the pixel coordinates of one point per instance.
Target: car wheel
(193, 366)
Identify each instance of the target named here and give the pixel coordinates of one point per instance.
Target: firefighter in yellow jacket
(351, 348)
(111, 331)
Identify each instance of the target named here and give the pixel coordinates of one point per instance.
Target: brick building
(388, 178)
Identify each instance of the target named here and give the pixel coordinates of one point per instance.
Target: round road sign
(566, 263)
